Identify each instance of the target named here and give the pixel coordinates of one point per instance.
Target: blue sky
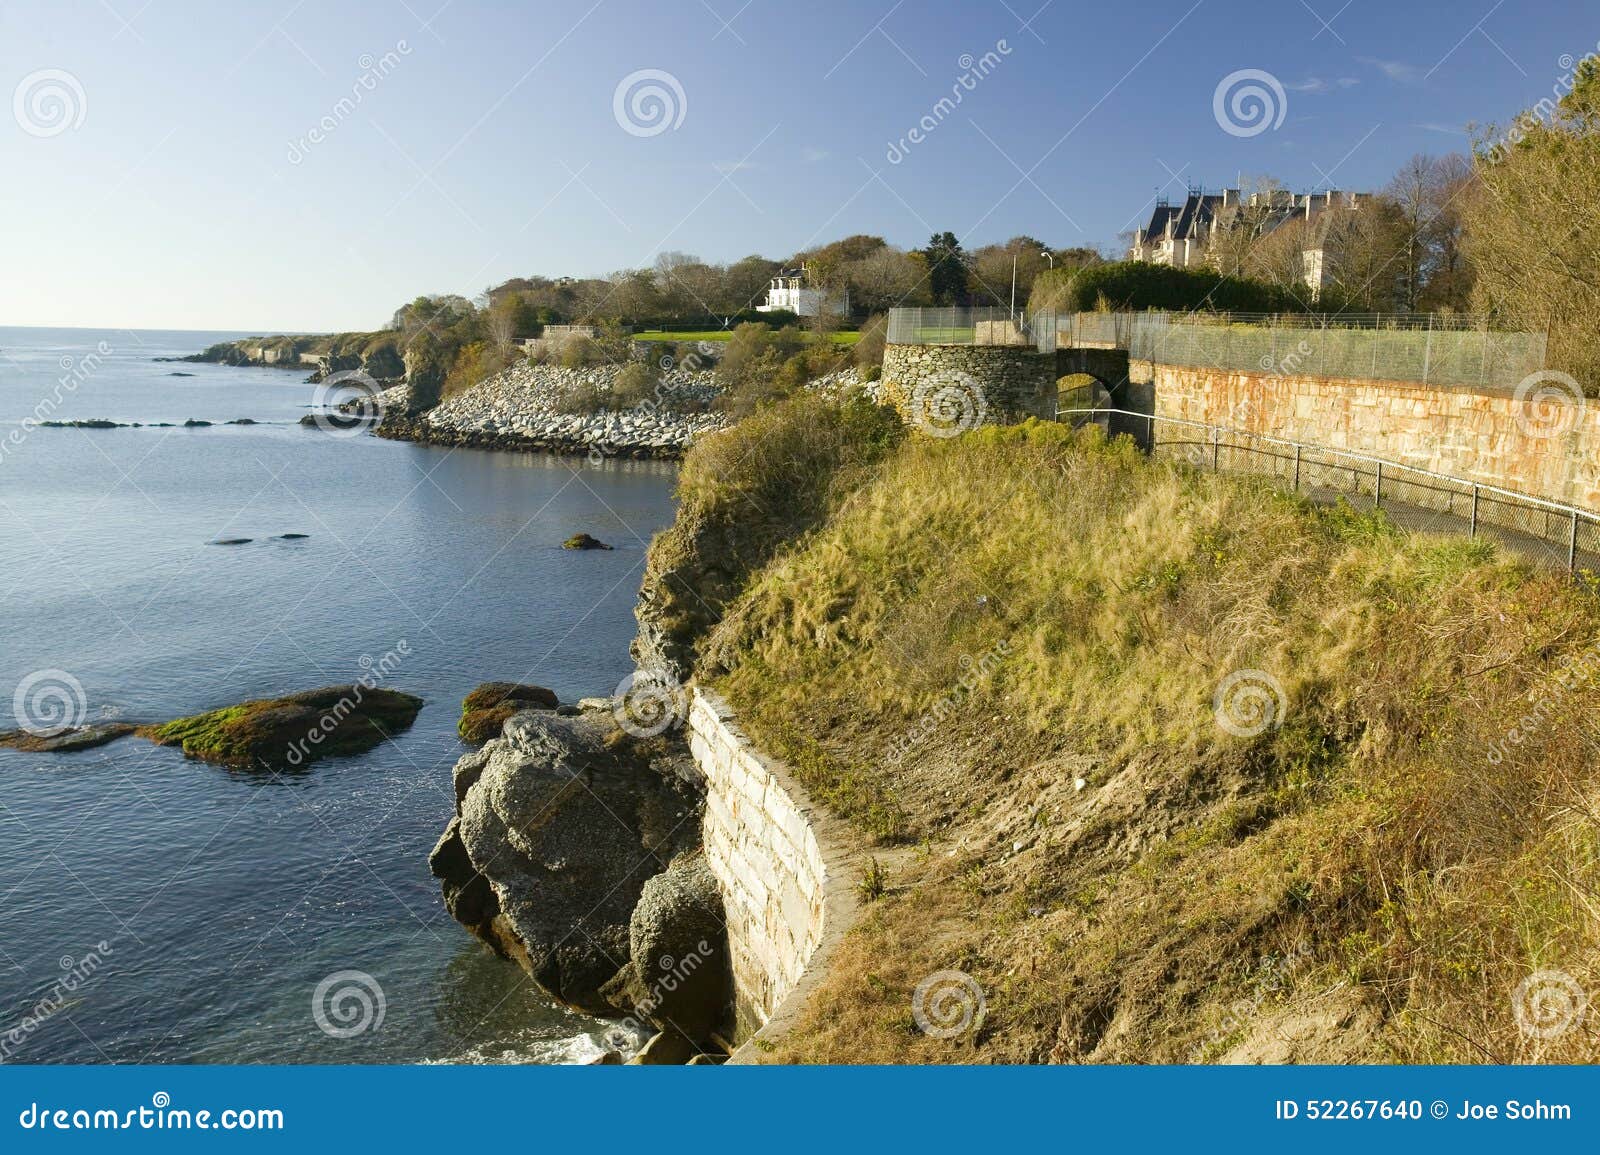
(175, 184)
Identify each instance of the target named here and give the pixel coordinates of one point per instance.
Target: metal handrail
(1478, 490)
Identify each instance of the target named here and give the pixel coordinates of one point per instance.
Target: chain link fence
(1423, 349)
(1416, 500)
(1052, 331)
(957, 326)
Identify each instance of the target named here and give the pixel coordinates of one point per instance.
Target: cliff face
(744, 495)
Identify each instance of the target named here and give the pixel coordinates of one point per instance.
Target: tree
(886, 278)
(992, 267)
(947, 269)
(1242, 225)
(501, 320)
(1365, 255)
(1532, 229)
(1450, 275)
(744, 283)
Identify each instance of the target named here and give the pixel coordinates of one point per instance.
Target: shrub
(635, 383)
(578, 352)
(761, 365)
(473, 363)
(868, 351)
(582, 397)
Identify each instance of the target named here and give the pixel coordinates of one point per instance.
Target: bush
(635, 383)
(868, 351)
(761, 365)
(578, 352)
(473, 363)
(582, 397)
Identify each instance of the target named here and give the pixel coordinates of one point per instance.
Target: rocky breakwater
(530, 407)
(575, 851)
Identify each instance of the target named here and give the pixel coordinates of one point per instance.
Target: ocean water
(155, 909)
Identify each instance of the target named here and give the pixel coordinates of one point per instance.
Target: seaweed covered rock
(485, 710)
(291, 731)
(562, 821)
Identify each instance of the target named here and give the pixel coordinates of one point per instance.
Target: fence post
(1427, 352)
(1473, 531)
(1216, 450)
(1572, 546)
(1296, 467)
(1377, 489)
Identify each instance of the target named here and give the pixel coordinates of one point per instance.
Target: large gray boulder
(561, 823)
(680, 978)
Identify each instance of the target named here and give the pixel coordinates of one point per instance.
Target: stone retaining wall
(784, 869)
(998, 384)
(1485, 437)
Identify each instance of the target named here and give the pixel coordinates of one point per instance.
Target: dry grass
(1126, 879)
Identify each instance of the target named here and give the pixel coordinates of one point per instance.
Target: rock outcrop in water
(485, 711)
(564, 825)
(65, 741)
(292, 731)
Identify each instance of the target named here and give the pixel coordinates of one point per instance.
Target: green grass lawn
(840, 338)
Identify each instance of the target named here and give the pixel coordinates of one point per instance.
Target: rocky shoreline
(524, 408)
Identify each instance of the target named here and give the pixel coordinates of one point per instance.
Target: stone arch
(1080, 390)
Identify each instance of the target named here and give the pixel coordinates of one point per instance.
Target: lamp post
(1049, 256)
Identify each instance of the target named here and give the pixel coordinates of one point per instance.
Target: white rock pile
(523, 402)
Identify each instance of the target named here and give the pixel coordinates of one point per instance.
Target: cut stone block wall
(1491, 438)
(783, 867)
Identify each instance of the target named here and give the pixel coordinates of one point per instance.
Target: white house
(788, 291)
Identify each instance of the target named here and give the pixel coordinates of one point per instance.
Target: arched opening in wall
(1079, 391)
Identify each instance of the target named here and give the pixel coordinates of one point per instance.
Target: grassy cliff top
(1177, 767)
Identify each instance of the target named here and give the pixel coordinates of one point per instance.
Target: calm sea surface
(224, 899)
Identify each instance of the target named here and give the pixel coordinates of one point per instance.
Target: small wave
(572, 1051)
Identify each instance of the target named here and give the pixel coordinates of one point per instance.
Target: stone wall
(783, 867)
(1483, 437)
(999, 384)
